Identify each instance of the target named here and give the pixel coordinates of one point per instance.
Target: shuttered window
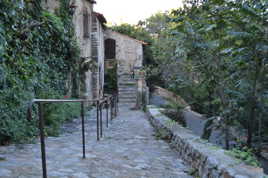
(110, 49)
(86, 24)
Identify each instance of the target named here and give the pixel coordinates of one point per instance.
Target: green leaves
(220, 49)
(37, 51)
(246, 155)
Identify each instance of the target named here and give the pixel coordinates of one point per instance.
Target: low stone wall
(210, 161)
(194, 121)
(169, 95)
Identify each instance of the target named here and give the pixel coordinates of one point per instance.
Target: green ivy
(37, 51)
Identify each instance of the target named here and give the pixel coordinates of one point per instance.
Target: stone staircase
(127, 90)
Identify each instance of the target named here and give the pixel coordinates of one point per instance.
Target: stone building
(97, 45)
(127, 53)
(82, 20)
(89, 30)
(97, 40)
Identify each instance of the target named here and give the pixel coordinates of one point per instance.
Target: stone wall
(84, 8)
(97, 49)
(194, 121)
(208, 160)
(169, 95)
(90, 39)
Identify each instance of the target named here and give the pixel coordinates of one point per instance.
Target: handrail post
(112, 108)
(98, 136)
(83, 129)
(101, 105)
(42, 139)
(114, 105)
(107, 112)
(114, 101)
(117, 101)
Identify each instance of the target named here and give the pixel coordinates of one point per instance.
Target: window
(110, 48)
(86, 24)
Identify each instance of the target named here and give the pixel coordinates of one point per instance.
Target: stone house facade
(92, 38)
(127, 53)
(97, 39)
(82, 20)
(89, 30)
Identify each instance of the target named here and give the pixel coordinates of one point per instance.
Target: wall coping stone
(208, 159)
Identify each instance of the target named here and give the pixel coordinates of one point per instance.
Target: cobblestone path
(128, 149)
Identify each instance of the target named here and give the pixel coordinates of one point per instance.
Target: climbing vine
(37, 51)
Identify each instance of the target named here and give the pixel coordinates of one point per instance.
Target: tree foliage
(214, 54)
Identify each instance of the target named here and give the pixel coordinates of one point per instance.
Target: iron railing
(110, 102)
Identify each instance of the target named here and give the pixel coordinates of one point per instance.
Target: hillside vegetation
(215, 55)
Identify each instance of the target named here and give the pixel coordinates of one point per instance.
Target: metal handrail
(107, 101)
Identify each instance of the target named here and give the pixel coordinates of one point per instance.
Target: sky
(131, 11)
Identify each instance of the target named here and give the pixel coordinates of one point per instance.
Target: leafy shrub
(246, 155)
(111, 80)
(174, 111)
(214, 55)
(57, 114)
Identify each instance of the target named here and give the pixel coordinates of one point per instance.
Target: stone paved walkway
(127, 150)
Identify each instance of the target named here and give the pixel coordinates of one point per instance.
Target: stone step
(126, 86)
(131, 98)
(129, 105)
(127, 89)
(122, 74)
(127, 93)
(125, 76)
(126, 79)
(127, 98)
(127, 101)
(126, 83)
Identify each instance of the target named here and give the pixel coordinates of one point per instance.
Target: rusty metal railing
(110, 102)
